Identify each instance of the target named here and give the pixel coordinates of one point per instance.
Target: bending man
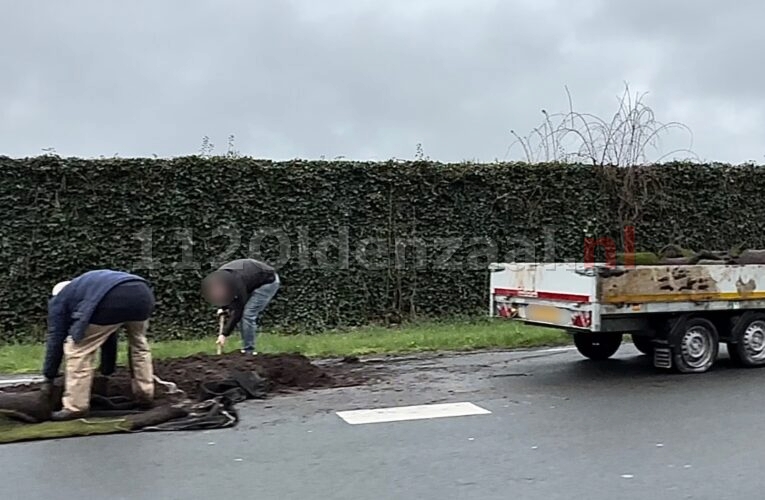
(243, 288)
(83, 315)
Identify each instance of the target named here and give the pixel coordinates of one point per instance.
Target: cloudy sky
(369, 79)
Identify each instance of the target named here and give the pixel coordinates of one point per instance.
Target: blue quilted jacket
(70, 311)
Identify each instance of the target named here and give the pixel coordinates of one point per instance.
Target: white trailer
(679, 314)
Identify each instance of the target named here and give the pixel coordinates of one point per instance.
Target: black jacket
(243, 276)
(128, 301)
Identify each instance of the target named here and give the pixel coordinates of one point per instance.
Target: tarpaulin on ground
(25, 414)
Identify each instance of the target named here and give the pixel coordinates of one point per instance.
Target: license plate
(543, 314)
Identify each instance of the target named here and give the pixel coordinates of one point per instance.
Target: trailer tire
(643, 344)
(597, 346)
(695, 345)
(747, 346)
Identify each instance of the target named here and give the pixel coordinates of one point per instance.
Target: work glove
(221, 312)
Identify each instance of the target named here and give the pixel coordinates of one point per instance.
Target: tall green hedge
(61, 217)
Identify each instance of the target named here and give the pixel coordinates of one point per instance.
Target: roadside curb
(11, 380)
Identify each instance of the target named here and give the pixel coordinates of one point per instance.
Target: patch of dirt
(287, 373)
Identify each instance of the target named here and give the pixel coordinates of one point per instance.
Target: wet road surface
(560, 427)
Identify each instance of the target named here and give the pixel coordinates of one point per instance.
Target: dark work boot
(64, 415)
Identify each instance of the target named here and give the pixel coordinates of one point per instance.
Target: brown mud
(286, 372)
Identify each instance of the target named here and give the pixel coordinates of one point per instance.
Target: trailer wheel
(747, 347)
(597, 346)
(643, 344)
(695, 346)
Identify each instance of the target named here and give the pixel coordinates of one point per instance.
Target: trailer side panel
(681, 283)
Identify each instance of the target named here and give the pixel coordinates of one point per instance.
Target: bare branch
(620, 147)
(627, 139)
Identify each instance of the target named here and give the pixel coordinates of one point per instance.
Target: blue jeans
(259, 299)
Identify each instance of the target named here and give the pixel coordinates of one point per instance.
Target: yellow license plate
(543, 314)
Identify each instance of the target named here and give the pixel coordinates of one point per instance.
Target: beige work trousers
(80, 363)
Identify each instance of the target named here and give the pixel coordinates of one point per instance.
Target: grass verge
(12, 431)
(459, 336)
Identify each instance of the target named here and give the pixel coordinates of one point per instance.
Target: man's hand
(222, 312)
(221, 340)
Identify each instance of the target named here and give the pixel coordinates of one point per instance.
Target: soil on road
(560, 427)
(285, 373)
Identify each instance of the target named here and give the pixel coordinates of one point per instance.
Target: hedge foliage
(61, 217)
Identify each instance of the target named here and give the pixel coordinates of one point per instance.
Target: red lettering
(589, 252)
(608, 244)
(629, 246)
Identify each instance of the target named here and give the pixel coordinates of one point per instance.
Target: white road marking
(402, 413)
(554, 349)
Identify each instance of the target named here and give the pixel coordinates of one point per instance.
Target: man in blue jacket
(83, 315)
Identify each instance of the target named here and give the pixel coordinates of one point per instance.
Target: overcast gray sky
(368, 79)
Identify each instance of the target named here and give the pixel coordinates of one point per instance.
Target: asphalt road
(560, 428)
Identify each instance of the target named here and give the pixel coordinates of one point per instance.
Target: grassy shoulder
(455, 336)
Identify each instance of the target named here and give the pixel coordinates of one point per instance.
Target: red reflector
(582, 319)
(505, 311)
